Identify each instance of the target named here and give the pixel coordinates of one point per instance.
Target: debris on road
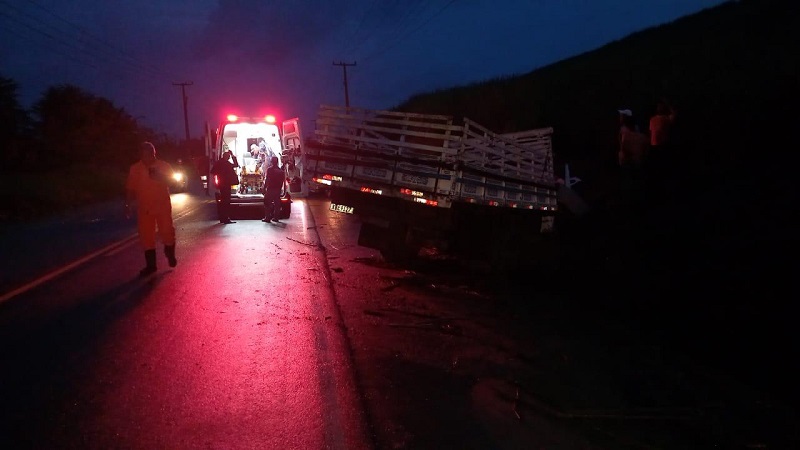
(304, 243)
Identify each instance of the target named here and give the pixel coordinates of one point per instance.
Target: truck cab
(253, 141)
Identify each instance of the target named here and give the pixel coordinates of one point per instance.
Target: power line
(109, 51)
(39, 28)
(61, 48)
(383, 49)
(15, 22)
(82, 49)
(410, 10)
(355, 32)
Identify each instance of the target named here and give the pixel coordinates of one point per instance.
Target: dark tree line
(69, 126)
(74, 126)
(71, 149)
(15, 125)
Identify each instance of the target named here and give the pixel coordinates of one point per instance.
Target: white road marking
(110, 249)
(64, 269)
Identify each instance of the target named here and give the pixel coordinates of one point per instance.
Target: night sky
(255, 57)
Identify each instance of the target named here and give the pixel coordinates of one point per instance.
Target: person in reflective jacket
(148, 185)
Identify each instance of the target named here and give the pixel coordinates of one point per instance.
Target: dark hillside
(709, 266)
(730, 71)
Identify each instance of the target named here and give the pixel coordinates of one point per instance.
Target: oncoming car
(180, 179)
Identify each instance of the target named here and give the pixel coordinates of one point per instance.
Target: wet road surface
(220, 352)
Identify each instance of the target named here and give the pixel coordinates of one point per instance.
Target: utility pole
(344, 70)
(185, 115)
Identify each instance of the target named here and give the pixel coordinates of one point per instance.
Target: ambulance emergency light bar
(269, 118)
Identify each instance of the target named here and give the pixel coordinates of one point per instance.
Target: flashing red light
(369, 190)
(411, 192)
(232, 117)
(269, 118)
(426, 201)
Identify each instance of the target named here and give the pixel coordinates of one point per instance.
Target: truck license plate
(341, 208)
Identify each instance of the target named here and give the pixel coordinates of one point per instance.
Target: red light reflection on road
(241, 353)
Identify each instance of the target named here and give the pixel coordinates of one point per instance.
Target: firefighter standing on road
(148, 185)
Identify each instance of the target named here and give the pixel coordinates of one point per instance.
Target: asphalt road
(240, 346)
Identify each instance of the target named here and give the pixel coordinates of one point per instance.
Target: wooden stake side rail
(506, 156)
(392, 133)
(422, 157)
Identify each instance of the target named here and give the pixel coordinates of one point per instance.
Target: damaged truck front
(422, 180)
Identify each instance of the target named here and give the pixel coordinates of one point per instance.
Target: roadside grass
(28, 195)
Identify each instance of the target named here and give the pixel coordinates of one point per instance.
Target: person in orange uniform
(148, 185)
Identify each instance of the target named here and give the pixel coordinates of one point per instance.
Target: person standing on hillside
(660, 132)
(661, 123)
(633, 149)
(148, 185)
(661, 158)
(273, 184)
(225, 171)
(624, 118)
(632, 144)
(624, 114)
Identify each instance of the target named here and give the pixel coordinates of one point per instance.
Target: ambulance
(252, 140)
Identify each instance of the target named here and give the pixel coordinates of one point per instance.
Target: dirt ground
(450, 356)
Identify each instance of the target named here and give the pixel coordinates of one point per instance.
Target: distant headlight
(177, 176)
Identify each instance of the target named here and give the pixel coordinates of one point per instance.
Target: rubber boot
(169, 251)
(150, 259)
